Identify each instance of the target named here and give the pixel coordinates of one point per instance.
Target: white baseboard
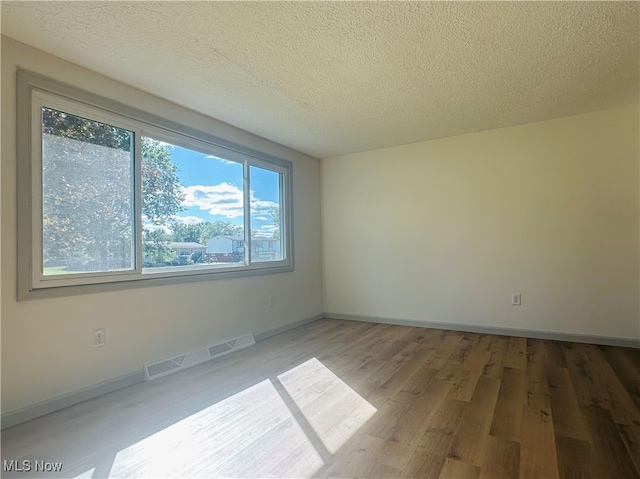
(46, 407)
(470, 328)
(287, 327)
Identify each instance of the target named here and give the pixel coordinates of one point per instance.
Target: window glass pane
(266, 224)
(192, 209)
(87, 195)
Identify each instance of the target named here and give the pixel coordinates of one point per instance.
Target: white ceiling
(329, 78)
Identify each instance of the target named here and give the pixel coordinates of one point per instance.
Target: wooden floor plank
(554, 354)
(508, 412)
(538, 457)
(626, 364)
(476, 424)
(516, 355)
(620, 404)
(537, 436)
(630, 436)
(610, 457)
(454, 469)
(501, 459)
(464, 370)
(574, 458)
(495, 365)
(438, 439)
(567, 418)
(445, 345)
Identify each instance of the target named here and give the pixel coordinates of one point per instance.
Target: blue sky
(213, 190)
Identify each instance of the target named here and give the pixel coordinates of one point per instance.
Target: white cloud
(266, 230)
(261, 206)
(187, 220)
(225, 200)
(222, 160)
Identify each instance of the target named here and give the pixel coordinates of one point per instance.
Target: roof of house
(241, 238)
(184, 244)
(235, 237)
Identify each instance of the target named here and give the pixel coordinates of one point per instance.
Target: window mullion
(282, 213)
(137, 188)
(247, 214)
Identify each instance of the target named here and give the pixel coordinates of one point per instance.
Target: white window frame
(36, 92)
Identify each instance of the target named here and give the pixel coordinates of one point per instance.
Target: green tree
(186, 232)
(202, 231)
(161, 190)
(58, 123)
(155, 249)
(161, 196)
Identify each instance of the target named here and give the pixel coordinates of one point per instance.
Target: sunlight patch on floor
(86, 474)
(250, 434)
(333, 409)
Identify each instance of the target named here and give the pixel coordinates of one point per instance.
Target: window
(87, 195)
(112, 197)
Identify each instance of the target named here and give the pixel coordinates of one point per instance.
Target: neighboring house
(187, 249)
(225, 248)
(231, 248)
(264, 248)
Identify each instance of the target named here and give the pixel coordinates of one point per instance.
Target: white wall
(446, 230)
(46, 344)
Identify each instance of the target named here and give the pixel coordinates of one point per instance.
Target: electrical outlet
(99, 338)
(271, 301)
(516, 299)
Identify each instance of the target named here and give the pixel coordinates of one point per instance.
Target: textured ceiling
(329, 78)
